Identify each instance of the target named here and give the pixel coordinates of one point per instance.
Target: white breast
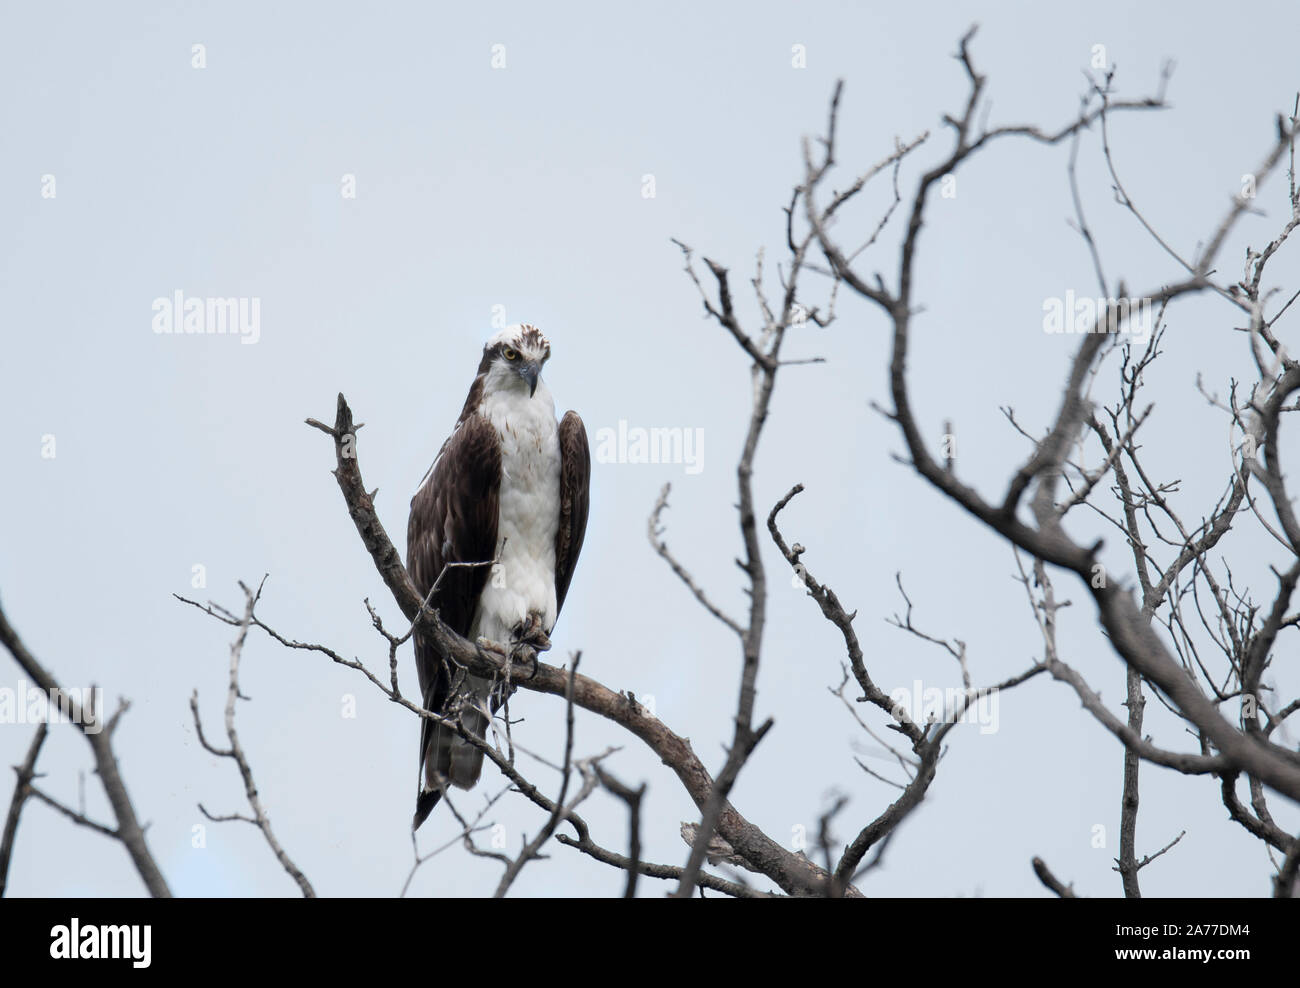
(528, 514)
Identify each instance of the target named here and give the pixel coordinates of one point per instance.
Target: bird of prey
(509, 490)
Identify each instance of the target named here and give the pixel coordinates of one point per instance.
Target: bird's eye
(510, 354)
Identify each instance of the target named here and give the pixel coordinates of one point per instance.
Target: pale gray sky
(522, 187)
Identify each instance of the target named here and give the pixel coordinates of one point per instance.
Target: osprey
(509, 490)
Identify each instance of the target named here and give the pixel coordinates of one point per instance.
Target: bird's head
(513, 359)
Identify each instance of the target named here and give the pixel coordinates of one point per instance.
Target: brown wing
(453, 520)
(575, 499)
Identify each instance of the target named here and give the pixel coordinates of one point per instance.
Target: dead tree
(1186, 605)
(1191, 638)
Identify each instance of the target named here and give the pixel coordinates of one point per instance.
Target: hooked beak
(530, 372)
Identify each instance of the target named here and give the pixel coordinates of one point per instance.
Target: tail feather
(424, 805)
(450, 760)
(465, 762)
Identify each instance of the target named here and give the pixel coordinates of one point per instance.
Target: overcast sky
(382, 190)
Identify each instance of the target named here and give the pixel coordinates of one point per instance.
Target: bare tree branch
(129, 831)
(236, 751)
(26, 772)
(1051, 881)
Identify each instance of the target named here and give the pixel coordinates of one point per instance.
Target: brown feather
(575, 500)
(453, 520)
